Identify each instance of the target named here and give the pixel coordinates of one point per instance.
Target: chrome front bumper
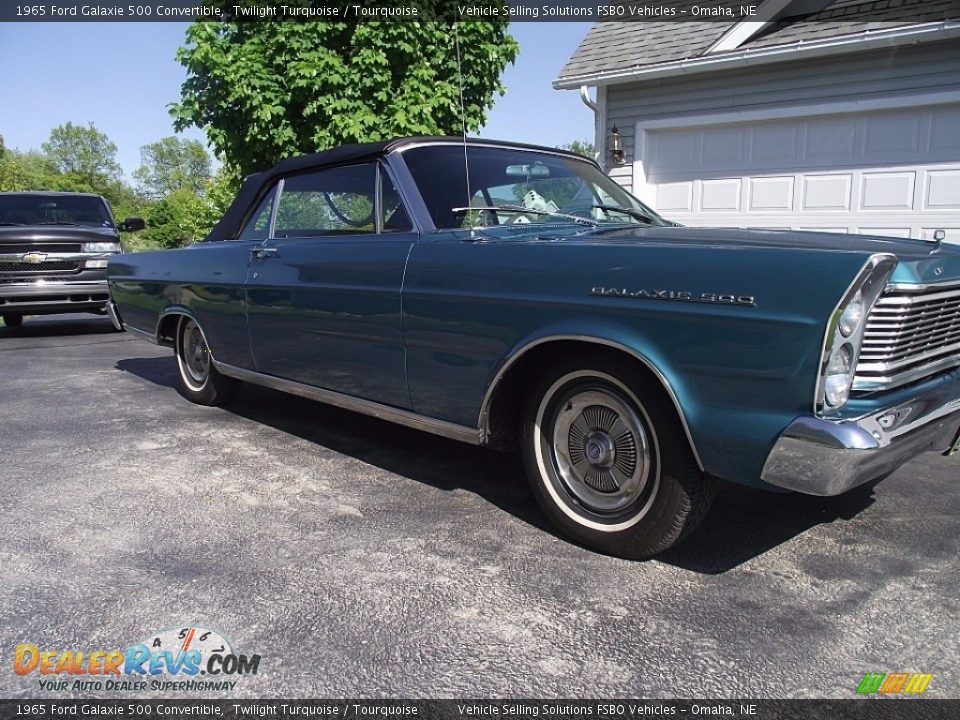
(818, 456)
(35, 297)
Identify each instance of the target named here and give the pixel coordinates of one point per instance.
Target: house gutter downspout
(597, 129)
(585, 96)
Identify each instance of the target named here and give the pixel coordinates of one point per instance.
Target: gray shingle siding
(622, 46)
(835, 21)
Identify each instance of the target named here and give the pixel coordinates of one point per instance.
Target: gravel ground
(361, 559)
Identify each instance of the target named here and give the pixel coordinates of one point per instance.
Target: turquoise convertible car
(515, 296)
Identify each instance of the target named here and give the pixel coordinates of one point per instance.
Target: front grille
(44, 267)
(40, 247)
(910, 335)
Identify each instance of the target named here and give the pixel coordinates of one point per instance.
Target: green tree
(176, 220)
(30, 171)
(185, 216)
(266, 91)
(172, 164)
(583, 147)
(83, 152)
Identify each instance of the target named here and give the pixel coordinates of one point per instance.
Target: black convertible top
(255, 185)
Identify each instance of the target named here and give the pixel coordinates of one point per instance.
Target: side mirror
(132, 224)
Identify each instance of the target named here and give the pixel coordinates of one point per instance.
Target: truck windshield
(40, 209)
(514, 186)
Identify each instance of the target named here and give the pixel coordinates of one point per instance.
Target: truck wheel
(197, 379)
(608, 459)
(12, 320)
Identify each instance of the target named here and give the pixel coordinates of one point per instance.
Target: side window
(393, 215)
(258, 226)
(334, 201)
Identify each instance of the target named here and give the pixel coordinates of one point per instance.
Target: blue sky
(121, 76)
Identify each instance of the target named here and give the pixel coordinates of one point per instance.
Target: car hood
(19, 234)
(920, 260)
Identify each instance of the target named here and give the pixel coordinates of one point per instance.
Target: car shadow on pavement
(743, 523)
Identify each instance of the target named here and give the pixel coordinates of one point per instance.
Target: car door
(323, 291)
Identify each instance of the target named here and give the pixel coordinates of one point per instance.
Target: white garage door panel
(889, 172)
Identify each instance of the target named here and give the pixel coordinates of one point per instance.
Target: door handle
(263, 252)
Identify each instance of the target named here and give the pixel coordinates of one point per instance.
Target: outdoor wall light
(616, 146)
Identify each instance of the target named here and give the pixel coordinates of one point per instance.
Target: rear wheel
(608, 460)
(198, 379)
(12, 319)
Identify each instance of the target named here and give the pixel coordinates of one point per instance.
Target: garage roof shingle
(622, 46)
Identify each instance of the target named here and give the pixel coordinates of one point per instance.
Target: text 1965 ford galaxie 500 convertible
(522, 299)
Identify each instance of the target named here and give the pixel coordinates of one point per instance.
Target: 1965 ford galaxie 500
(515, 296)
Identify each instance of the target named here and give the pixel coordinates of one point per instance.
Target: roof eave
(926, 32)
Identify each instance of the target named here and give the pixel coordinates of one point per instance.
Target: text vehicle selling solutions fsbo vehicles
(523, 300)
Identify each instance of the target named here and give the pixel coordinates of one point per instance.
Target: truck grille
(910, 335)
(6, 249)
(44, 267)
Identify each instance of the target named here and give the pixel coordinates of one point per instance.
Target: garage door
(894, 172)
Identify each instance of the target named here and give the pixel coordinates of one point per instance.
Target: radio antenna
(463, 112)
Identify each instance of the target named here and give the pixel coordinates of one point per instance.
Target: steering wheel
(368, 220)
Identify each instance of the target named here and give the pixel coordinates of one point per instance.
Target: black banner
(888, 11)
(862, 709)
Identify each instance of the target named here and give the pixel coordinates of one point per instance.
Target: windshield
(38, 209)
(513, 186)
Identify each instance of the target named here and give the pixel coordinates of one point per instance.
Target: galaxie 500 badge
(682, 295)
(169, 660)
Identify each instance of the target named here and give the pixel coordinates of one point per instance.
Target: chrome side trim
(142, 333)
(484, 418)
(365, 407)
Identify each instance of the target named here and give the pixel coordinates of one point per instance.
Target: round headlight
(852, 315)
(839, 377)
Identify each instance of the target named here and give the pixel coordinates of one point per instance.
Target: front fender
(617, 338)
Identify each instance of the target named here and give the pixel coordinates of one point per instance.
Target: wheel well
(167, 329)
(505, 411)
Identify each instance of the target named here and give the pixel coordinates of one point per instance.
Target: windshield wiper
(63, 222)
(5, 224)
(520, 209)
(632, 212)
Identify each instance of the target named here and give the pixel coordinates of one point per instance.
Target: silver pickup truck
(54, 248)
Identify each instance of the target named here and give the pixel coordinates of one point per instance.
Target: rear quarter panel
(204, 280)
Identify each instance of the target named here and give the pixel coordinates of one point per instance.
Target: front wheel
(608, 460)
(12, 320)
(198, 379)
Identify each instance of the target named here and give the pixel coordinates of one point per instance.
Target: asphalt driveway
(365, 560)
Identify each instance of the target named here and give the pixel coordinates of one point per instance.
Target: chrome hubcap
(196, 355)
(601, 451)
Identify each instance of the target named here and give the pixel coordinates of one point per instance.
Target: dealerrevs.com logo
(189, 659)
